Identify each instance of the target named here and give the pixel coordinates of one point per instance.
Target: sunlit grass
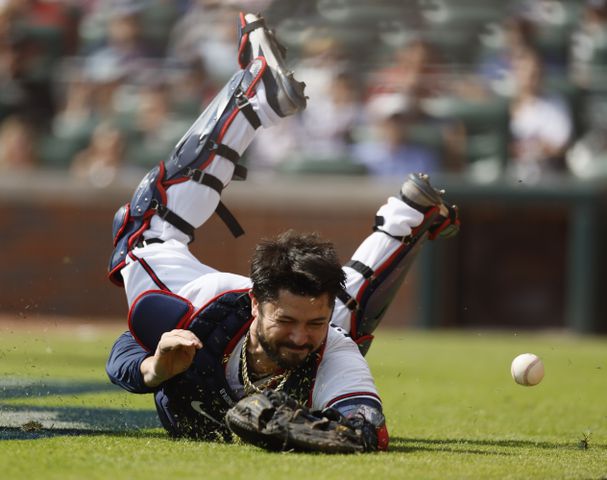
(453, 412)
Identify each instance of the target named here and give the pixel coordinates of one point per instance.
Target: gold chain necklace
(250, 387)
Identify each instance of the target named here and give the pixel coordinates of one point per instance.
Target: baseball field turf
(453, 412)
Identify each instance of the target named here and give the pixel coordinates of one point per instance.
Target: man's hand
(174, 354)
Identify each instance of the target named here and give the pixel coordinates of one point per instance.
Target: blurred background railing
(504, 102)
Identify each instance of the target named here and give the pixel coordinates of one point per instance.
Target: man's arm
(124, 364)
(133, 368)
(174, 354)
(344, 383)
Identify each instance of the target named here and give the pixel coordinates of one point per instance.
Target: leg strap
(243, 104)
(229, 219)
(224, 151)
(261, 23)
(222, 211)
(244, 48)
(361, 268)
(202, 178)
(163, 212)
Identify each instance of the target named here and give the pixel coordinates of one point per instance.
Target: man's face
(292, 327)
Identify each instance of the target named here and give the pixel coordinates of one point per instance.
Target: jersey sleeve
(124, 364)
(343, 377)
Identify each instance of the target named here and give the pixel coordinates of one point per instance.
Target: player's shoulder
(212, 285)
(339, 339)
(229, 281)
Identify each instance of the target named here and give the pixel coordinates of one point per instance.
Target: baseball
(527, 369)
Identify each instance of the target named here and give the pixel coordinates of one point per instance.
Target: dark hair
(302, 264)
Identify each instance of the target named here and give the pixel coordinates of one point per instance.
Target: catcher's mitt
(275, 421)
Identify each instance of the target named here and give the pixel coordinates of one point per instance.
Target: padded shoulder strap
(219, 322)
(155, 312)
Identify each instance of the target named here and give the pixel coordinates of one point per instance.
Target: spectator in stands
(326, 129)
(495, 70)
(191, 87)
(100, 162)
(102, 89)
(207, 31)
(415, 71)
(55, 23)
(272, 147)
(76, 111)
(390, 151)
(321, 59)
(587, 158)
(88, 95)
(589, 45)
(155, 130)
(540, 126)
(124, 48)
(156, 19)
(417, 76)
(324, 132)
(22, 90)
(17, 145)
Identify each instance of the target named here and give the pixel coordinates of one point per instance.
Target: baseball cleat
(418, 193)
(284, 93)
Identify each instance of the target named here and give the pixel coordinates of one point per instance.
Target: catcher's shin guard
(207, 159)
(383, 281)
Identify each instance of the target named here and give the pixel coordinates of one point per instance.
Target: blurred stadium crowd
(484, 87)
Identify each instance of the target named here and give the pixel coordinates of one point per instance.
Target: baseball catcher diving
(277, 358)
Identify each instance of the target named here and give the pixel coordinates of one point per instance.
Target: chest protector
(193, 404)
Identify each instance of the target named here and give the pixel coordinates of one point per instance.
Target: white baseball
(527, 369)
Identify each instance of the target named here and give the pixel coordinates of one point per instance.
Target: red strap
(437, 230)
(362, 339)
(383, 438)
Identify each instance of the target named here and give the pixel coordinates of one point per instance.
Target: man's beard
(284, 361)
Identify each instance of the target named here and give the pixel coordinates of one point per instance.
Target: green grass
(453, 412)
